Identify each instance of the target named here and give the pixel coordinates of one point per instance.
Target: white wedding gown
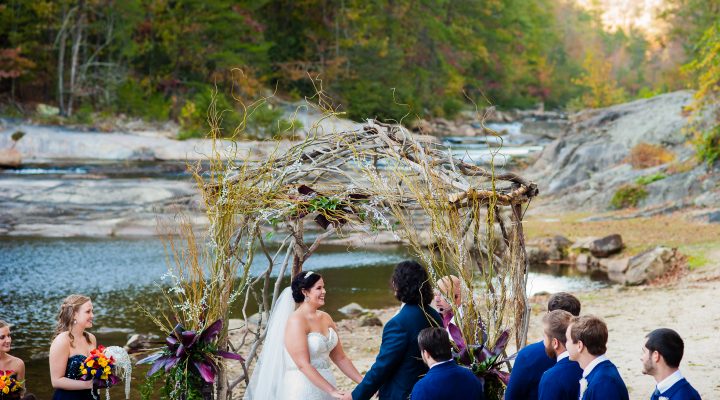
(276, 377)
(295, 384)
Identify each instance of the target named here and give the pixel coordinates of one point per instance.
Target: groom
(399, 364)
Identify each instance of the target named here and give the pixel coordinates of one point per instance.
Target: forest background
(161, 60)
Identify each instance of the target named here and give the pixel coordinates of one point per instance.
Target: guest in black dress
(70, 348)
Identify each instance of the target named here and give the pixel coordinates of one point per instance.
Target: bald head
(451, 288)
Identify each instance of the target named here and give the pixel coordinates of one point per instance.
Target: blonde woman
(70, 348)
(8, 362)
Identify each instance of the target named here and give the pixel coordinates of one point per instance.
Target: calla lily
(210, 333)
(206, 371)
(186, 346)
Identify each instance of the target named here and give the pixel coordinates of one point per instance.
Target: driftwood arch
(458, 218)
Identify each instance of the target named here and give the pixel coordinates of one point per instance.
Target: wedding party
(394, 200)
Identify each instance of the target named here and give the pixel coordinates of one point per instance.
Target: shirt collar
(668, 382)
(593, 364)
(440, 362)
(563, 355)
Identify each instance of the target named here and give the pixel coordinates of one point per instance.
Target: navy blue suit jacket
(448, 381)
(605, 383)
(398, 365)
(530, 364)
(681, 390)
(561, 382)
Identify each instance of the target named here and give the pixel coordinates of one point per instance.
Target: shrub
(648, 179)
(628, 196)
(645, 155)
(708, 146)
(135, 100)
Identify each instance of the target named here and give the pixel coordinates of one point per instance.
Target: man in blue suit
(532, 361)
(562, 381)
(661, 358)
(399, 365)
(586, 341)
(446, 380)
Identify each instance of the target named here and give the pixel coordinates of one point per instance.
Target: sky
(641, 14)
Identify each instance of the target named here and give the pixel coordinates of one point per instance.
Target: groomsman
(532, 361)
(445, 379)
(562, 381)
(661, 357)
(586, 341)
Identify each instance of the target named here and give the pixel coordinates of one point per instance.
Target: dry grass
(645, 155)
(638, 233)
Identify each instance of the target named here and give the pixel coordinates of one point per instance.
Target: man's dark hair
(592, 331)
(564, 301)
(668, 343)
(411, 284)
(436, 342)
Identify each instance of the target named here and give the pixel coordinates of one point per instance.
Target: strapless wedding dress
(296, 385)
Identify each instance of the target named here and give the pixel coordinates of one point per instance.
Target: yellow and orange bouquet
(10, 387)
(100, 368)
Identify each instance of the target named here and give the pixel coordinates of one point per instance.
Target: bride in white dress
(298, 348)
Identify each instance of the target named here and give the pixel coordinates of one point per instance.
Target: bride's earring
(307, 299)
(74, 322)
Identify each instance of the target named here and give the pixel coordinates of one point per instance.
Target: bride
(295, 361)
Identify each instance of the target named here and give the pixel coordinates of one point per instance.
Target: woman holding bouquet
(70, 347)
(14, 366)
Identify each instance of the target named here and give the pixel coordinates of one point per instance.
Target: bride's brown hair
(66, 316)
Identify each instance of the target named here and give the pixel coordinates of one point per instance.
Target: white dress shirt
(593, 364)
(668, 382)
(562, 355)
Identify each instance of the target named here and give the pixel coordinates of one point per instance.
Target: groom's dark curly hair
(411, 283)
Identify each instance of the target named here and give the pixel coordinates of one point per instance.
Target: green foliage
(706, 67)
(628, 196)
(708, 146)
(601, 89)
(136, 100)
(387, 59)
(648, 179)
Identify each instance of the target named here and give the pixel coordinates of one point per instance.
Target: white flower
(663, 398)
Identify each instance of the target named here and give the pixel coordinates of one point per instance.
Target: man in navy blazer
(586, 341)
(532, 361)
(399, 365)
(661, 358)
(446, 380)
(562, 381)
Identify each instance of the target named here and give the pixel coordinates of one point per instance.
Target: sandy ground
(689, 306)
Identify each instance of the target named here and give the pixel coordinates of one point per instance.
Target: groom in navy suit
(399, 364)
(586, 341)
(661, 357)
(446, 380)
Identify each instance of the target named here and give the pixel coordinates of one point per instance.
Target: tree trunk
(77, 41)
(61, 65)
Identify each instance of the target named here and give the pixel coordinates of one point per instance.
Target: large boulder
(649, 265)
(352, 310)
(606, 246)
(548, 248)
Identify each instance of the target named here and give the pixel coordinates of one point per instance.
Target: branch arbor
(457, 218)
